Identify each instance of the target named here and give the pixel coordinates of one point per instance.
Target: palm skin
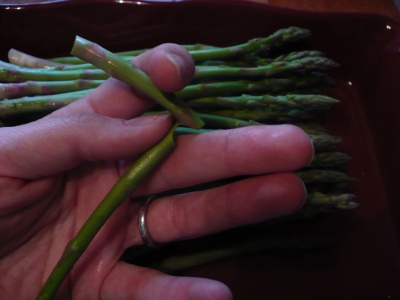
(56, 170)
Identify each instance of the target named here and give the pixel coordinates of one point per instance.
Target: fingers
(200, 213)
(56, 144)
(177, 66)
(131, 282)
(169, 66)
(223, 154)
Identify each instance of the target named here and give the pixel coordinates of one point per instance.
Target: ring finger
(200, 213)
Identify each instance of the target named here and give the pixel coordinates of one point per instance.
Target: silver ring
(144, 233)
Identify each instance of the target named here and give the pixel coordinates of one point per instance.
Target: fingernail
(177, 61)
(312, 154)
(305, 194)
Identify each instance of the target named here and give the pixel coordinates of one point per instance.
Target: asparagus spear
(312, 127)
(255, 60)
(271, 115)
(341, 201)
(124, 71)
(267, 85)
(330, 160)
(20, 58)
(43, 104)
(224, 122)
(276, 68)
(261, 101)
(275, 40)
(324, 142)
(23, 74)
(117, 195)
(324, 176)
(299, 54)
(250, 246)
(36, 88)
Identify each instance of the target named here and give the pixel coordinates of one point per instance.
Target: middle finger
(223, 154)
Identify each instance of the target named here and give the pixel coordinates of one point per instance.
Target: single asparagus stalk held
(117, 195)
(120, 69)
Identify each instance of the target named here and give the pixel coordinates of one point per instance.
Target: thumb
(55, 144)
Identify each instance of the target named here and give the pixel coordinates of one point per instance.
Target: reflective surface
(366, 263)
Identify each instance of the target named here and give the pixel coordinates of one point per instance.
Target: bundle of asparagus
(262, 81)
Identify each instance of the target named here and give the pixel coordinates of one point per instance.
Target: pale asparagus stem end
(22, 59)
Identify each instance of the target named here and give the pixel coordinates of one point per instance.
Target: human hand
(56, 170)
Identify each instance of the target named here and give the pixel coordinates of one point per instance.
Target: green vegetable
(24, 74)
(275, 68)
(38, 104)
(35, 88)
(267, 85)
(290, 101)
(275, 40)
(117, 195)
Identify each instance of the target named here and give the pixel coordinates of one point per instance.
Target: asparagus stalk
(187, 130)
(312, 127)
(257, 244)
(124, 71)
(38, 104)
(270, 115)
(298, 55)
(324, 176)
(341, 201)
(22, 59)
(254, 60)
(36, 88)
(324, 142)
(267, 85)
(330, 160)
(275, 40)
(277, 68)
(262, 101)
(220, 122)
(117, 195)
(23, 74)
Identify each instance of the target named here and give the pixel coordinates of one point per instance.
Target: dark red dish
(366, 262)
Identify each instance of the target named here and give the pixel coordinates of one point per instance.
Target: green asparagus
(278, 68)
(117, 195)
(262, 101)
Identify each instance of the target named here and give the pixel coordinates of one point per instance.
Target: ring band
(144, 233)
